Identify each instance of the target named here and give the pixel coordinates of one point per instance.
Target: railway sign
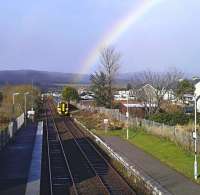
(194, 135)
(105, 121)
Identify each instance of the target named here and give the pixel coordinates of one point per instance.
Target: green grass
(162, 149)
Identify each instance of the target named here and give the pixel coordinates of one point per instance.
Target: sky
(61, 35)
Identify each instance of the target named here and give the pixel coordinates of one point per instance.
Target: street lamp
(127, 115)
(25, 110)
(13, 96)
(195, 137)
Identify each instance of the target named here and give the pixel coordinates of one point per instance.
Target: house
(81, 90)
(197, 94)
(150, 92)
(56, 94)
(123, 94)
(169, 95)
(136, 109)
(147, 93)
(188, 99)
(86, 97)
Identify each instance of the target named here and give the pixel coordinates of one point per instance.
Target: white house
(123, 94)
(169, 95)
(87, 97)
(197, 93)
(149, 92)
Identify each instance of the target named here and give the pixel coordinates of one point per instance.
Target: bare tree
(161, 83)
(110, 61)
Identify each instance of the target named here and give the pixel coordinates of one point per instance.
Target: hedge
(173, 118)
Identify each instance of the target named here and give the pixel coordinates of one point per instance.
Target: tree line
(157, 84)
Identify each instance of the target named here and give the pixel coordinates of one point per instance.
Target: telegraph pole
(127, 115)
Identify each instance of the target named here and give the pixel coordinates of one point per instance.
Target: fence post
(144, 122)
(174, 132)
(10, 128)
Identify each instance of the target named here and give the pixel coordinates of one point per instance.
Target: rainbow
(117, 31)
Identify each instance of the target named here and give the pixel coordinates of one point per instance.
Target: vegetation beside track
(6, 106)
(162, 149)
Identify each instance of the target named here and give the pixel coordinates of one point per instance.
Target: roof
(134, 105)
(188, 95)
(195, 80)
(197, 83)
(137, 105)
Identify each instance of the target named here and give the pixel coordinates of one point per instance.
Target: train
(63, 108)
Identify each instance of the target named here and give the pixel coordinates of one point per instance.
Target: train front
(63, 108)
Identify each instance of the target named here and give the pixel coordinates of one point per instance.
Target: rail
(98, 179)
(119, 178)
(52, 178)
(107, 175)
(91, 166)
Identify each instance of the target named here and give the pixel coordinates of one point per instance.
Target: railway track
(71, 174)
(60, 177)
(109, 176)
(88, 172)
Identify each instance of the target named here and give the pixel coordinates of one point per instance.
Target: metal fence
(7, 134)
(179, 136)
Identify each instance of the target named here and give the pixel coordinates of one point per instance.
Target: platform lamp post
(13, 97)
(25, 106)
(127, 115)
(195, 137)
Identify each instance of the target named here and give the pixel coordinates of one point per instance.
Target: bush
(116, 105)
(171, 118)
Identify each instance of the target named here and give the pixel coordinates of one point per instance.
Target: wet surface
(15, 160)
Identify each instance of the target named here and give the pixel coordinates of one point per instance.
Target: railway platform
(168, 178)
(16, 160)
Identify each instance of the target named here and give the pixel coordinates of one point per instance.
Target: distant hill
(50, 80)
(40, 77)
